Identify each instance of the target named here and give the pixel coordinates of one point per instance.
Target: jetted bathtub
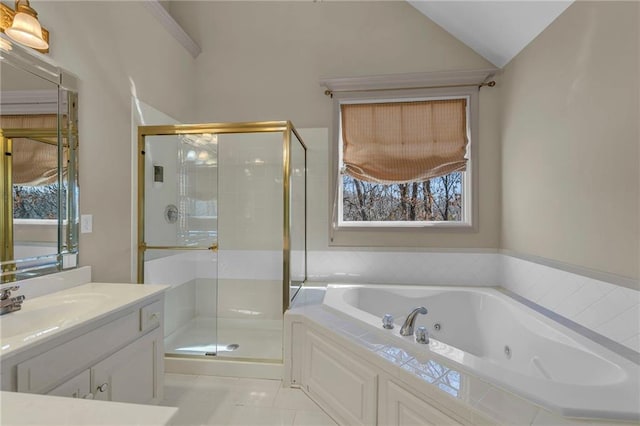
(497, 338)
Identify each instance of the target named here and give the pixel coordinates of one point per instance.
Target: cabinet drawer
(39, 374)
(151, 315)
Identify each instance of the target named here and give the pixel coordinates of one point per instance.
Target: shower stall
(222, 220)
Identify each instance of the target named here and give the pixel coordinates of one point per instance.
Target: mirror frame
(66, 256)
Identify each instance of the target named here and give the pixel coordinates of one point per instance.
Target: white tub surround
(550, 373)
(105, 340)
(30, 409)
(453, 267)
(602, 302)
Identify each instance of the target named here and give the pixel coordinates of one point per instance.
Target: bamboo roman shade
(399, 142)
(33, 162)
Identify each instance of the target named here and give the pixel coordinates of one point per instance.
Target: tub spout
(407, 327)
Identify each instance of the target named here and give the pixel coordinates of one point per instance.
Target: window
(404, 162)
(37, 202)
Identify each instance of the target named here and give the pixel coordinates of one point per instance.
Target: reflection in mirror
(38, 122)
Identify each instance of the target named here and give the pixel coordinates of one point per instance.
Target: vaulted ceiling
(497, 30)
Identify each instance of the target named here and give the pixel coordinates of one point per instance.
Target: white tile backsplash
(605, 308)
(590, 293)
(420, 268)
(560, 293)
(51, 283)
(633, 343)
(250, 264)
(623, 326)
(608, 309)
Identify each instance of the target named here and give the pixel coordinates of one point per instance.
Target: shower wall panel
(162, 153)
(250, 225)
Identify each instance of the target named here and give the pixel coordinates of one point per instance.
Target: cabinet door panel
(131, 374)
(77, 387)
(402, 408)
(46, 370)
(342, 384)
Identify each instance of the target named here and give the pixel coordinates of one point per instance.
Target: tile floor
(209, 400)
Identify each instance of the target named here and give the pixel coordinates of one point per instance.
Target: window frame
(470, 176)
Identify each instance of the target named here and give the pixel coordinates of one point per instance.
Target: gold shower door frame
(286, 127)
(45, 135)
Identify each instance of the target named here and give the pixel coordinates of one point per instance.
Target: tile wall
(40, 286)
(454, 268)
(608, 309)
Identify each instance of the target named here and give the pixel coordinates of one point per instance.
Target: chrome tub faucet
(407, 327)
(8, 303)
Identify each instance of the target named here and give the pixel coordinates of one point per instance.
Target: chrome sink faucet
(407, 327)
(8, 303)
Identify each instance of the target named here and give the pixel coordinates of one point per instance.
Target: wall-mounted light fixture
(22, 26)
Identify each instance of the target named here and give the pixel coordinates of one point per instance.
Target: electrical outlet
(86, 223)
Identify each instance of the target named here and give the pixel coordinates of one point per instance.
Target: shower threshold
(236, 338)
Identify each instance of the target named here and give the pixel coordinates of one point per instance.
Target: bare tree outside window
(37, 202)
(436, 199)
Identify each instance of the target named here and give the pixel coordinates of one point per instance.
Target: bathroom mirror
(38, 168)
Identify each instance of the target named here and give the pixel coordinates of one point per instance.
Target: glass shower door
(237, 186)
(178, 190)
(250, 259)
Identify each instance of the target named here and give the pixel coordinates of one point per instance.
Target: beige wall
(570, 141)
(569, 110)
(264, 60)
(101, 42)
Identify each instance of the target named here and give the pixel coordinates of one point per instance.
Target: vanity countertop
(45, 317)
(31, 409)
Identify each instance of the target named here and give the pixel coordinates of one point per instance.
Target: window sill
(40, 222)
(393, 225)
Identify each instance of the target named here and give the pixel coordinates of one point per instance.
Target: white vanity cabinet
(131, 374)
(116, 357)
